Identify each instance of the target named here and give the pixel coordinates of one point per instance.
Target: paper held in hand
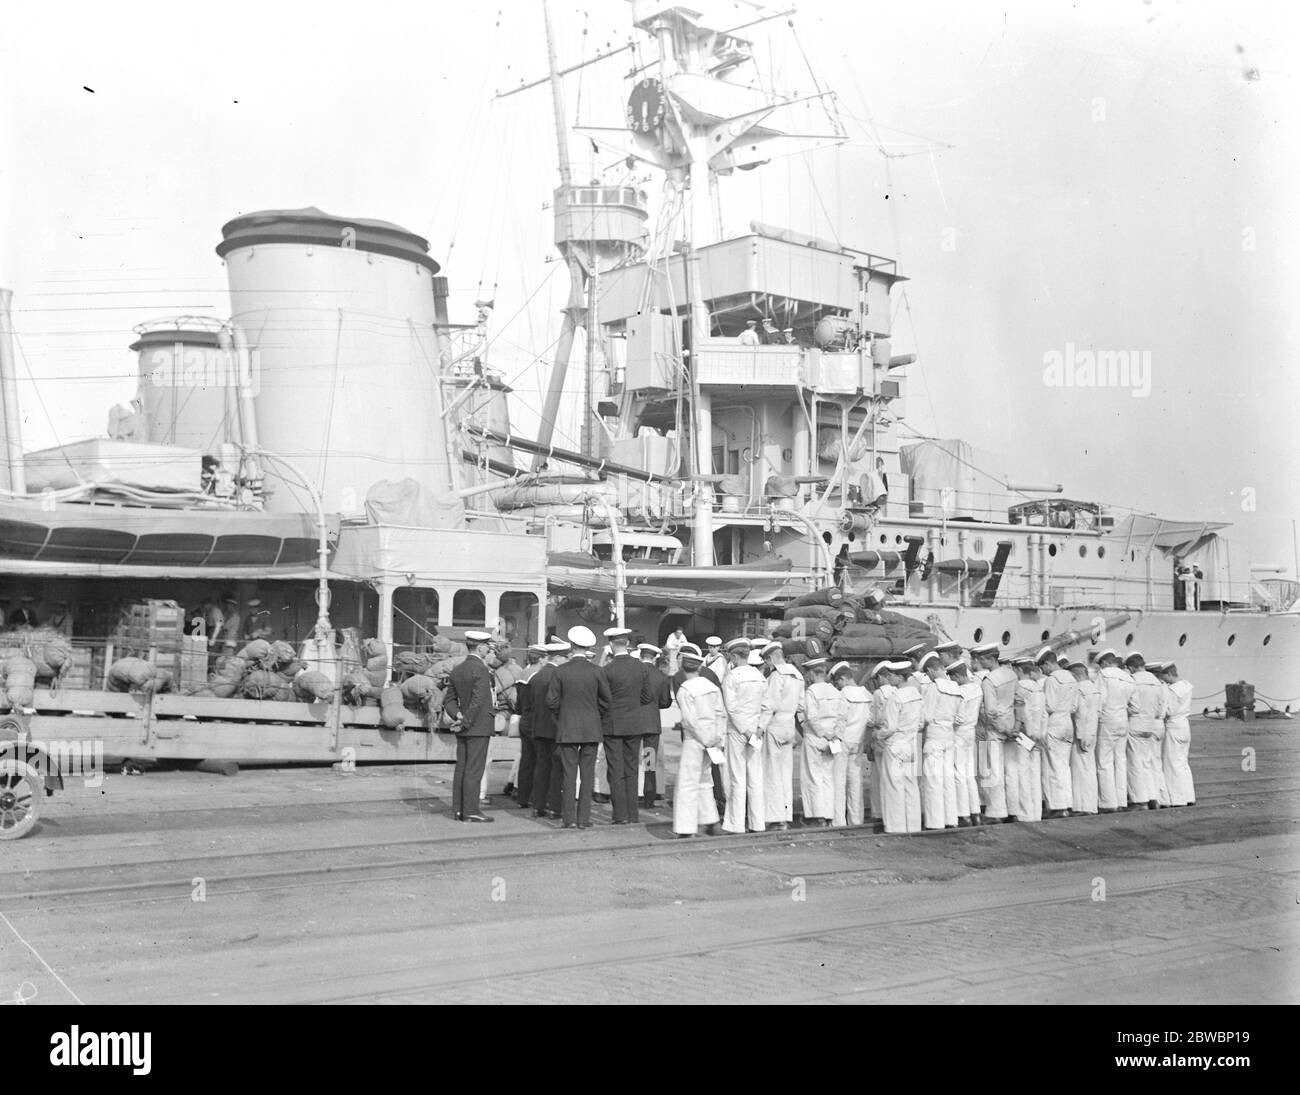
(836, 747)
(716, 755)
(1024, 741)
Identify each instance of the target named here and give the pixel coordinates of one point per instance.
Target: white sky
(1109, 164)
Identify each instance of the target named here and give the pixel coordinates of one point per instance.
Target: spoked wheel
(20, 791)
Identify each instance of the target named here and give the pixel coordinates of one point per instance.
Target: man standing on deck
(469, 701)
(545, 791)
(1060, 693)
(1083, 753)
(742, 693)
(783, 701)
(578, 696)
(1116, 688)
(749, 336)
(624, 723)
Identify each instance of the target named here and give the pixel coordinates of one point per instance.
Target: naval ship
(341, 452)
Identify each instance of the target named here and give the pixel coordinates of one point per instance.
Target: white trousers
(487, 770)
(901, 805)
(990, 774)
(848, 787)
(1174, 761)
(939, 783)
(778, 780)
(1024, 782)
(1144, 774)
(1057, 786)
(968, 792)
(744, 786)
(1112, 764)
(693, 803)
(1083, 779)
(816, 780)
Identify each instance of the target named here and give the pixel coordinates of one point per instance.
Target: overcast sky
(1115, 176)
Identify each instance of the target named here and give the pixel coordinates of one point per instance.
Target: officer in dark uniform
(524, 707)
(469, 702)
(545, 791)
(578, 696)
(623, 724)
(660, 690)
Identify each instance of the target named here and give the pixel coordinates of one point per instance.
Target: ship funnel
(340, 318)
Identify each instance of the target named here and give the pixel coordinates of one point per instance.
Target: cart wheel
(20, 791)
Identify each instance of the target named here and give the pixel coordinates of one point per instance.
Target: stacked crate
(157, 626)
(79, 674)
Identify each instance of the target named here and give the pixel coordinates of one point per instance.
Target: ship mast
(575, 311)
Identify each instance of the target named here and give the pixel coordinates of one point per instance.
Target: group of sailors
(940, 738)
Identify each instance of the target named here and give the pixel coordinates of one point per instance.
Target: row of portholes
(977, 545)
(1128, 639)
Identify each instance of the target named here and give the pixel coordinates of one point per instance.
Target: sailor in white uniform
(897, 720)
(1083, 753)
(1060, 690)
(939, 748)
(704, 723)
(849, 762)
(1178, 737)
(743, 689)
(823, 727)
(964, 724)
(782, 703)
(1146, 728)
(1116, 688)
(994, 730)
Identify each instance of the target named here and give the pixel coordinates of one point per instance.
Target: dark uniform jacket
(469, 697)
(543, 719)
(578, 696)
(660, 691)
(524, 703)
(629, 689)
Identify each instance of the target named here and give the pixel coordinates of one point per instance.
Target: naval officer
(578, 696)
(623, 723)
(469, 703)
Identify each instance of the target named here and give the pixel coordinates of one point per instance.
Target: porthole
(1083, 551)
(1006, 638)
(1232, 639)
(899, 538)
(1051, 550)
(883, 538)
(1182, 639)
(827, 537)
(979, 634)
(1046, 635)
(852, 536)
(1128, 639)
(1101, 552)
(1267, 639)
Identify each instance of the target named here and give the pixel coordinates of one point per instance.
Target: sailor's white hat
(582, 637)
